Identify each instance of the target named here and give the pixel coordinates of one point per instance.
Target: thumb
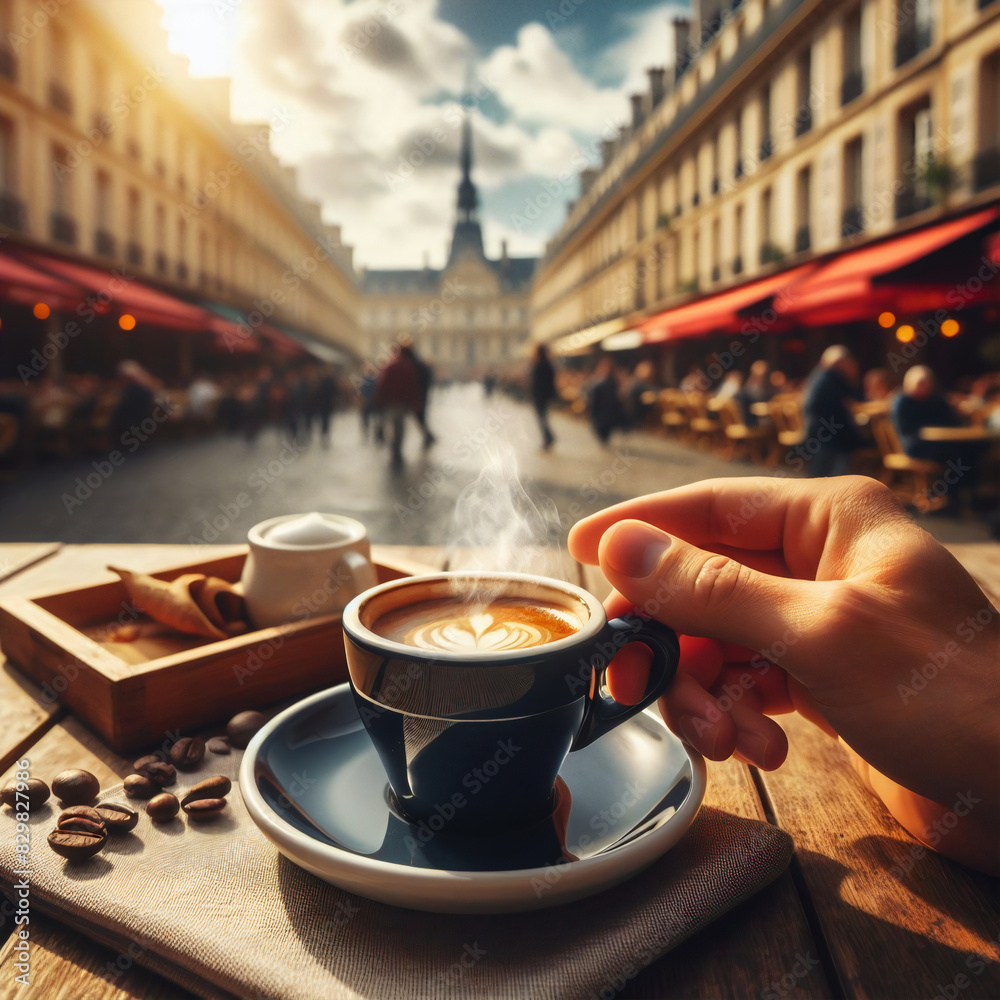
(702, 593)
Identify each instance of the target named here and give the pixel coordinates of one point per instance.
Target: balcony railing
(62, 228)
(766, 148)
(986, 168)
(60, 99)
(737, 264)
(104, 243)
(802, 239)
(8, 64)
(134, 253)
(803, 120)
(911, 41)
(852, 221)
(11, 211)
(909, 201)
(162, 265)
(852, 86)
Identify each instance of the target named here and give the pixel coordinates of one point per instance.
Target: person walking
(543, 391)
(606, 410)
(397, 393)
(326, 402)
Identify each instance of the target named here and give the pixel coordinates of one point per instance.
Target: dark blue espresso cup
(475, 687)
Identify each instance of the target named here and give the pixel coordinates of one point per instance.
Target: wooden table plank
(66, 965)
(746, 952)
(982, 560)
(899, 920)
(16, 556)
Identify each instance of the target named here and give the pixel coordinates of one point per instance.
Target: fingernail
(699, 734)
(635, 549)
(753, 746)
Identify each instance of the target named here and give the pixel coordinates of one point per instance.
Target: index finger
(748, 513)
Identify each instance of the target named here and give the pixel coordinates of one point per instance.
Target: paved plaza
(213, 489)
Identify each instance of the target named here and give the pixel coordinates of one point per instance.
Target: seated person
(830, 427)
(919, 405)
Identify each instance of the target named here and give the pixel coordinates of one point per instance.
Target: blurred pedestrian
(831, 433)
(366, 392)
(607, 413)
(398, 392)
(135, 400)
(543, 391)
(425, 379)
(641, 396)
(326, 402)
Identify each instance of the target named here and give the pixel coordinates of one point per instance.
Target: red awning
(26, 285)
(856, 285)
(718, 313)
(119, 291)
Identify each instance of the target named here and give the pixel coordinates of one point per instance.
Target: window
(716, 249)
(62, 177)
(986, 165)
(803, 201)
(60, 97)
(134, 217)
(769, 253)
(713, 152)
(7, 182)
(738, 240)
(915, 144)
(852, 219)
(853, 83)
(803, 109)
(915, 30)
(766, 143)
(738, 144)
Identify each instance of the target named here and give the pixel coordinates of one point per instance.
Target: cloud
(537, 81)
(375, 130)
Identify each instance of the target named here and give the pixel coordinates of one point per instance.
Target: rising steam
(498, 525)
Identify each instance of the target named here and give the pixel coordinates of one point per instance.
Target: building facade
(467, 319)
(111, 154)
(787, 131)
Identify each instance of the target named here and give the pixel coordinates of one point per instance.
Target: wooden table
(838, 923)
(974, 433)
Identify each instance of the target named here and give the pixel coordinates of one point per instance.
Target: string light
(41, 311)
(886, 319)
(905, 333)
(950, 328)
(126, 321)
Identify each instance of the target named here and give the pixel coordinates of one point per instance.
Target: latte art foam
(503, 625)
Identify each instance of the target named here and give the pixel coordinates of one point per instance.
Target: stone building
(469, 317)
(112, 156)
(790, 135)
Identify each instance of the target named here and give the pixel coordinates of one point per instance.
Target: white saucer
(312, 782)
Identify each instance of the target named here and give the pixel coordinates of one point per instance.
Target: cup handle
(603, 712)
(362, 572)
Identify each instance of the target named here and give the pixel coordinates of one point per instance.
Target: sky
(365, 101)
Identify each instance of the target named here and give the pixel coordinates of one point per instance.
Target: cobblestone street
(213, 489)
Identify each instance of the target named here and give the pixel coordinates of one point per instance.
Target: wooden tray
(155, 689)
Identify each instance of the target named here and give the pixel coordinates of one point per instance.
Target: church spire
(467, 239)
(468, 197)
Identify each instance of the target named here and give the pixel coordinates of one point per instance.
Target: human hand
(858, 618)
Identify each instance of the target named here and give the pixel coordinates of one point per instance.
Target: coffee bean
(81, 824)
(219, 745)
(216, 787)
(80, 818)
(75, 786)
(138, 786)
(157, 770)
(34, 790)
(75, 845)
(241, 727)
(117, 818)
(203, 809)
(187, 752)
(162, 808)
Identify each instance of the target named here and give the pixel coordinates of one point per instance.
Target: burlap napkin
(216, 909)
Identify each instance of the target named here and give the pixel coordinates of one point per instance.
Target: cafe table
(862, 911)
(952, 434)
